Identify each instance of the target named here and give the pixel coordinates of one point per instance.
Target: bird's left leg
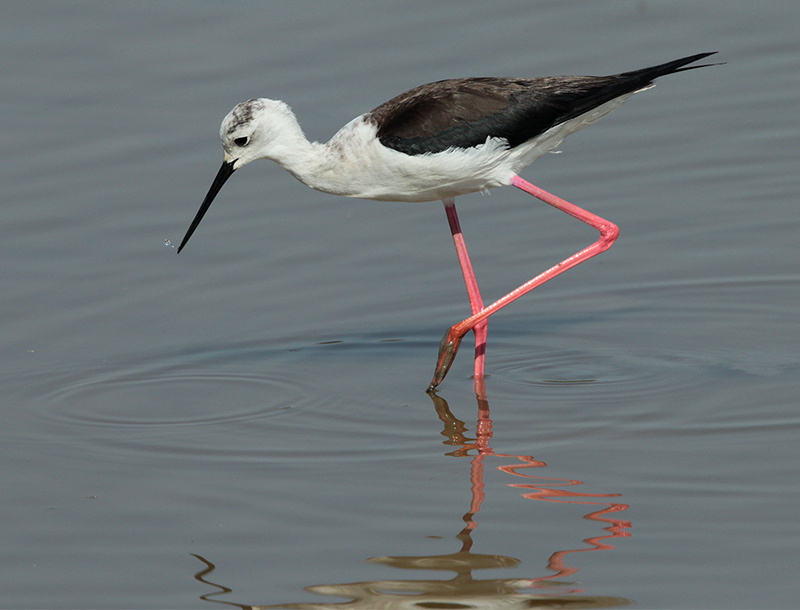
(475, 301)
(608, 234)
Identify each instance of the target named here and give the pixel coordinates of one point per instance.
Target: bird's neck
(321, 166)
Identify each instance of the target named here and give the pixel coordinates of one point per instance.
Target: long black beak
(222, 176)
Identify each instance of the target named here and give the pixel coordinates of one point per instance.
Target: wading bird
(438, 141)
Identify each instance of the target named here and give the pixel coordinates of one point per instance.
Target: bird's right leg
(475, 301)
(608, 234)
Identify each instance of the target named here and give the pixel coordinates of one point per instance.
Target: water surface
(246, 423)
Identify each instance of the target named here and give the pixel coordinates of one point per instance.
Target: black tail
(569, 97)
(645, 75)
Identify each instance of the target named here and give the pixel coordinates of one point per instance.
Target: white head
(255, 129)
(258, 129)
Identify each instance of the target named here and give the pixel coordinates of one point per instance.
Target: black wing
(462, 113)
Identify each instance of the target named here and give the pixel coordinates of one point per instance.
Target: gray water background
(250, 417)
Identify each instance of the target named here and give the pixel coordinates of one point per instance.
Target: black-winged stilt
(438, 141)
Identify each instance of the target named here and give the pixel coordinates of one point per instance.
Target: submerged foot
(447, 353)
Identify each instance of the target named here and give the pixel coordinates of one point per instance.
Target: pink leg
(608, 233)
(475, 301)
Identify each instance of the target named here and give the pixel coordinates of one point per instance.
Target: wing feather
(463, 113)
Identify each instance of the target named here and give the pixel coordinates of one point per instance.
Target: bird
(438, 141)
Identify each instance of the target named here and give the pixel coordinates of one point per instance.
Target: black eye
(243, 141)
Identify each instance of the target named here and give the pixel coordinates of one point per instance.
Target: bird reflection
(465, 590)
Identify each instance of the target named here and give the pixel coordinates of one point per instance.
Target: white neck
(332, 167)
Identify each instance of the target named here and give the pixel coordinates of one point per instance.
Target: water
(246, 423)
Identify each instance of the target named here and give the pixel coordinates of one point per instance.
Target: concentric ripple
(285, 401)
(647, 340)
(634, 373)
(157, 397)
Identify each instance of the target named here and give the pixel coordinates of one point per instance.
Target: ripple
(288, 401)
(638, 342)
(646, 340)
(157, 397)
(618, 371)
(210, 386)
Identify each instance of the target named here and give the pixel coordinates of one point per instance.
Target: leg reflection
(462, 587)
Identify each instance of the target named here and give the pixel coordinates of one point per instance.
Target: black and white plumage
(432, 142)
(436, 142)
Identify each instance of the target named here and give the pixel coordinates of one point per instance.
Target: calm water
(246, 424)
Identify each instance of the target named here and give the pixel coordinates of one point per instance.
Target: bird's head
(255, 129)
